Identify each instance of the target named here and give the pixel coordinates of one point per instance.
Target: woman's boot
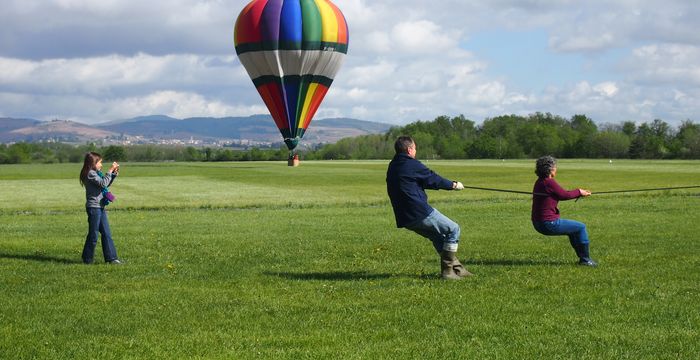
(584, 257)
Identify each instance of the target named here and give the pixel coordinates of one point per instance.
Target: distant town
(232, 132)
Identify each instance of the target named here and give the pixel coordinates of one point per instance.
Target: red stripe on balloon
(272, 96)
(248, 23)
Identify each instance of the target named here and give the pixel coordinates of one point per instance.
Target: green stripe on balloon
(311, 22)
(303, 93)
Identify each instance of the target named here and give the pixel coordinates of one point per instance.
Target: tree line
(516, 137)
(507, 136)
(26, 153)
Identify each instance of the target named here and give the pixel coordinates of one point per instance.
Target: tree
(3, 154)
(629, 128)
(19, 153)
(649, 142)
(191, 154)
(115, 153)
(584, 134)
(424, 145)
(611, 145)
(484, 147)
(688, 141)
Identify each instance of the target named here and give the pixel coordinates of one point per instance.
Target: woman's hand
(584, 192)
(114, 168)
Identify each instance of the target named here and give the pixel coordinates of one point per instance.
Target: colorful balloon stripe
(290, 21)
(292, 50)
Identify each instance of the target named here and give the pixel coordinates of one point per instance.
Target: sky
(614, 61)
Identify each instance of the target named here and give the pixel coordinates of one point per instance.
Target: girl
(97, 197)
(545, 214)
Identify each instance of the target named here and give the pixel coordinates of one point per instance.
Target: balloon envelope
(292, 50)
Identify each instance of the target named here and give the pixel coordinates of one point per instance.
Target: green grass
(259, 260)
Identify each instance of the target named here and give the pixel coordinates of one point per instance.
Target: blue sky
(96, 61)
(525, 61)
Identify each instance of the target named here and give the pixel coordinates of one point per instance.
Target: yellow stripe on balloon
(329, 22)
(307, 103)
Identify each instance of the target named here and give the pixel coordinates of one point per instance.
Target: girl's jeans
(98, 223)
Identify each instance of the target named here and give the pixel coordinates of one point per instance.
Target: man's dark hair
(402, 144)
(544, 166)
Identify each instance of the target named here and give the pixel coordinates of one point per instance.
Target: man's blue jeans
(98, 224)
(438, 228)
(576, 231)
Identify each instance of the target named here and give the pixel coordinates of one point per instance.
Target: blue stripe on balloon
(290, 24)
(291, 97)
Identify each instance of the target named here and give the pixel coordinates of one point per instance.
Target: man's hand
(456, 185)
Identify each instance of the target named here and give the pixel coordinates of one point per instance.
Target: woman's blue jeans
(439, 229)
(98, 224)
(575, 230)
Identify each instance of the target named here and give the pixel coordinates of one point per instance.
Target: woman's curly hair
(544, 166)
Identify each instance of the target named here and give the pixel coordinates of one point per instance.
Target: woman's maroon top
(544, 208)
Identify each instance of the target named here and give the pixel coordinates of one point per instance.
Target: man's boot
(447, 259)
(459, 269)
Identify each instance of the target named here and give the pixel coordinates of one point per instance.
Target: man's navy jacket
(406, 179)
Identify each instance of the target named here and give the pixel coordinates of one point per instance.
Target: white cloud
(666, 64)
(94, 110)
(369, 74)
(357, 94)
(378, 42)
(121, 87)
(359, 112)
(582, 42)
(607, 89)
(117, 74)
(101, 6)
(176, 104)
(422, 37)
(464, 73)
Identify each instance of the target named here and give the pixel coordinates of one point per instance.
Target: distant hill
(55, 130)
(159, 128)
(332, 130)
(259, 128)
(9, 124)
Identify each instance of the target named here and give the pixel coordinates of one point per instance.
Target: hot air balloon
(292, 50)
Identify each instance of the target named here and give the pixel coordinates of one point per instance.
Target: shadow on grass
(334, 275)
(40, 257)
(515, 262)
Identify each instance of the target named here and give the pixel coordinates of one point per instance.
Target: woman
(97, 197)
(545, 214)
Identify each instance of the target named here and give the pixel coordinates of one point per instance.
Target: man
(406, 179)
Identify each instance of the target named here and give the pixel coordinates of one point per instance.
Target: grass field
(259, 260)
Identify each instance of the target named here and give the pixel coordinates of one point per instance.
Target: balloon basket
(293, 161)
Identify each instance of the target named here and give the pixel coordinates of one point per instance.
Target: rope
(592, 193)
(503, 190)
(636, 190)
